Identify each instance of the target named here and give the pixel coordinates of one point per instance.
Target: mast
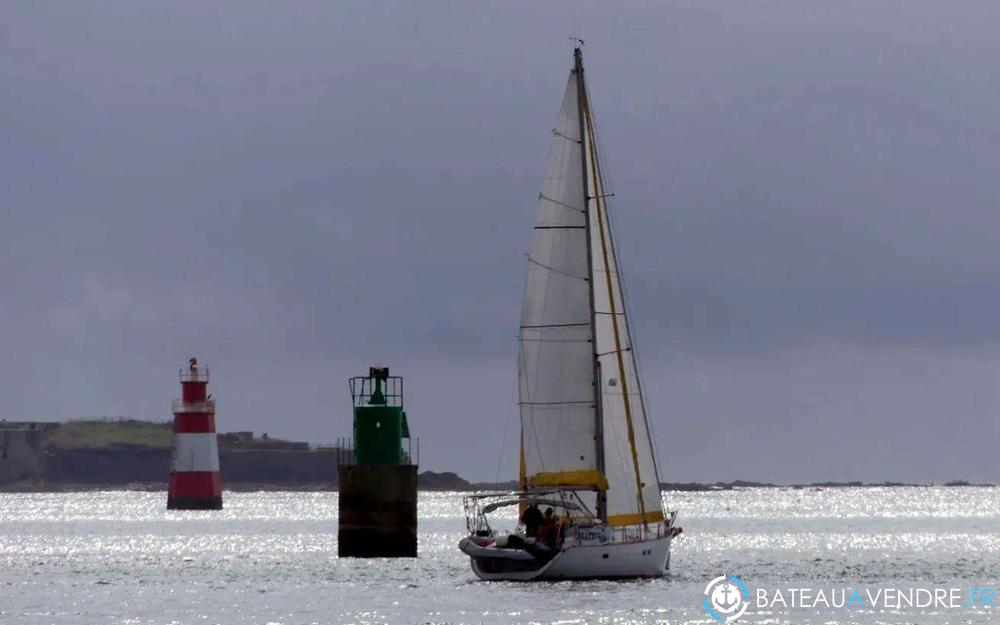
(581, 95)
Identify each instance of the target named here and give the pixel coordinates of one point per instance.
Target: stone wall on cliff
(127, 464)
(19, 455)
(120, 464)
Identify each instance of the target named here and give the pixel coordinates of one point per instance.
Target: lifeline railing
(476, 522)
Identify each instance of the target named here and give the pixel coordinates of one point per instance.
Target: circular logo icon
(726, 598)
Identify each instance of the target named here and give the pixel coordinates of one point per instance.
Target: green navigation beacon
(380, 427)
(378, 491)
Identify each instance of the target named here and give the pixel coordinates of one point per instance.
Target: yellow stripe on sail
(635, 519)
(592, 478)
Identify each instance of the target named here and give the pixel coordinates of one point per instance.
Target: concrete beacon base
(378, 511)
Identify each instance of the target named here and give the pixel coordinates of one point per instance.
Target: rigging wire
(506, 424)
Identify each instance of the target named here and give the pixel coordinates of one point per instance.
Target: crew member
(532, 519)
(549, 531)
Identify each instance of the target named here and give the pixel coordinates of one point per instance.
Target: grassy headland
(98, 434)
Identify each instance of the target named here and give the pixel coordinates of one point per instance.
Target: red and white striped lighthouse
(195, 481)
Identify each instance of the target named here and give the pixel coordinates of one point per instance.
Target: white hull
(649, 558)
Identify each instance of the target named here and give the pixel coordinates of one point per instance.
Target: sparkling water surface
(270, 558)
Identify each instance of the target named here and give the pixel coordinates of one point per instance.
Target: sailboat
(586, 448)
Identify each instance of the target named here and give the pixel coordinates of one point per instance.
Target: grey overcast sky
(806, 206)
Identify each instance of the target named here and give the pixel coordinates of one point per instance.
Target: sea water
(270, 557)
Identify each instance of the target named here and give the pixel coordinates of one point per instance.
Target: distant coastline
(129, 454)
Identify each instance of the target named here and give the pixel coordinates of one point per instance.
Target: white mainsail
(575, 344)
(556, 373)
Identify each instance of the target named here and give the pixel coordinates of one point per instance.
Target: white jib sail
(633, 494)
(628, 459)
